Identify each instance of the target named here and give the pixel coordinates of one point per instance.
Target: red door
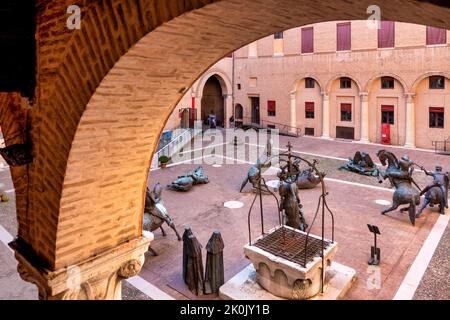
(386, 133)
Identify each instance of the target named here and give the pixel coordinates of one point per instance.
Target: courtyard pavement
(352, 198)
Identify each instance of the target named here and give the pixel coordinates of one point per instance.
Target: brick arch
(224, 81)
(386, 74)
(92, 150)
(294, 86)
(427, 75)
(342, 75)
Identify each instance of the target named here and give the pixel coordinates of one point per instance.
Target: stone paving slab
(435, 285)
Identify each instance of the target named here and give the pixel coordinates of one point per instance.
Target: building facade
(340, 79)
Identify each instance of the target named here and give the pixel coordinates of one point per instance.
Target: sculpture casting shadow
(399, 174)
(155, 214)
(186, 182)
(437, 192)
(361, 163)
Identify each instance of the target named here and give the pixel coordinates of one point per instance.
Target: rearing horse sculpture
(155, 214)
(400, 175)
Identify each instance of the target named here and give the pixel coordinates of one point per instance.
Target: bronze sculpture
(254, 173)
(437, 192)
(194, 265)
(361, 163)
(399, 174)
(290, 202)
(308, 180)
(187, 233)
(186, 182)
(214, 273)
(155, 214)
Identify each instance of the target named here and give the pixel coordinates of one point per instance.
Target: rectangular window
(309, 110)
(309, 83)
(346, 112)
(239, 86)
(387, 83)
(436, 36)
(346, 83)
(271, 108)
(387, 114)
(309, 131)
(437, 82)
(308, 40)
(386, 34)
(436, 117)
(278, 35)
(344, 36)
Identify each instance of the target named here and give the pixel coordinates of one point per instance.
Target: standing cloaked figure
(194, 265)
(186, 234)
(214, 275)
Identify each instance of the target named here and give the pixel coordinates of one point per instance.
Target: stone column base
(409, 146)
(98, 278)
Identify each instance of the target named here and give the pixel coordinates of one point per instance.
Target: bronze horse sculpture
(399, 174)
(437, 192)
(155, 214)
(254, 173)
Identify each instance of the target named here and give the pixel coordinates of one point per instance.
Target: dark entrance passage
(255, 110)
(212, 101)
(345, 133)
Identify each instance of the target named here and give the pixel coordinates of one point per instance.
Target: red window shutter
(346, 107)
(271, 106)
(436, 110)
(386, 34)
(309, 106)
(436, 36)
(344, 36)
(387, 108)
(308, 40)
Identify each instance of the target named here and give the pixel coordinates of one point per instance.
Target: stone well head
(282, 267)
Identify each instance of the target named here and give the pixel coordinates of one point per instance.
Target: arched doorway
(184, 121)
(213, 101)
(238, 114)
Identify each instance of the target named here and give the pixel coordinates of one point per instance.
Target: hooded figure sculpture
(214, 274)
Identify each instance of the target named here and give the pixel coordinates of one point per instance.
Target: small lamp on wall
(17, 154)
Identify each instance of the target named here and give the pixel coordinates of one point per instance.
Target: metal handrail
(445, 149)
(283, 128)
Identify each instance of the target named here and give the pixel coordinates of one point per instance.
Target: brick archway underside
(105, 92)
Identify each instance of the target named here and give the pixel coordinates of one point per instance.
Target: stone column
(293, 112)
(410, 141)
(326, 116)
(364, 117)
(98, 278)
(228, 109)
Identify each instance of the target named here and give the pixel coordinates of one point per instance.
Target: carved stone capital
(98, 278)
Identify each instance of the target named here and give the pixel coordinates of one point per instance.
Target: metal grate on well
(290, 245)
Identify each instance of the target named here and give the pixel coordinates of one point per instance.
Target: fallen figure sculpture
(186, 182)
(361, 163)
(155, 214)
(307, 179)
